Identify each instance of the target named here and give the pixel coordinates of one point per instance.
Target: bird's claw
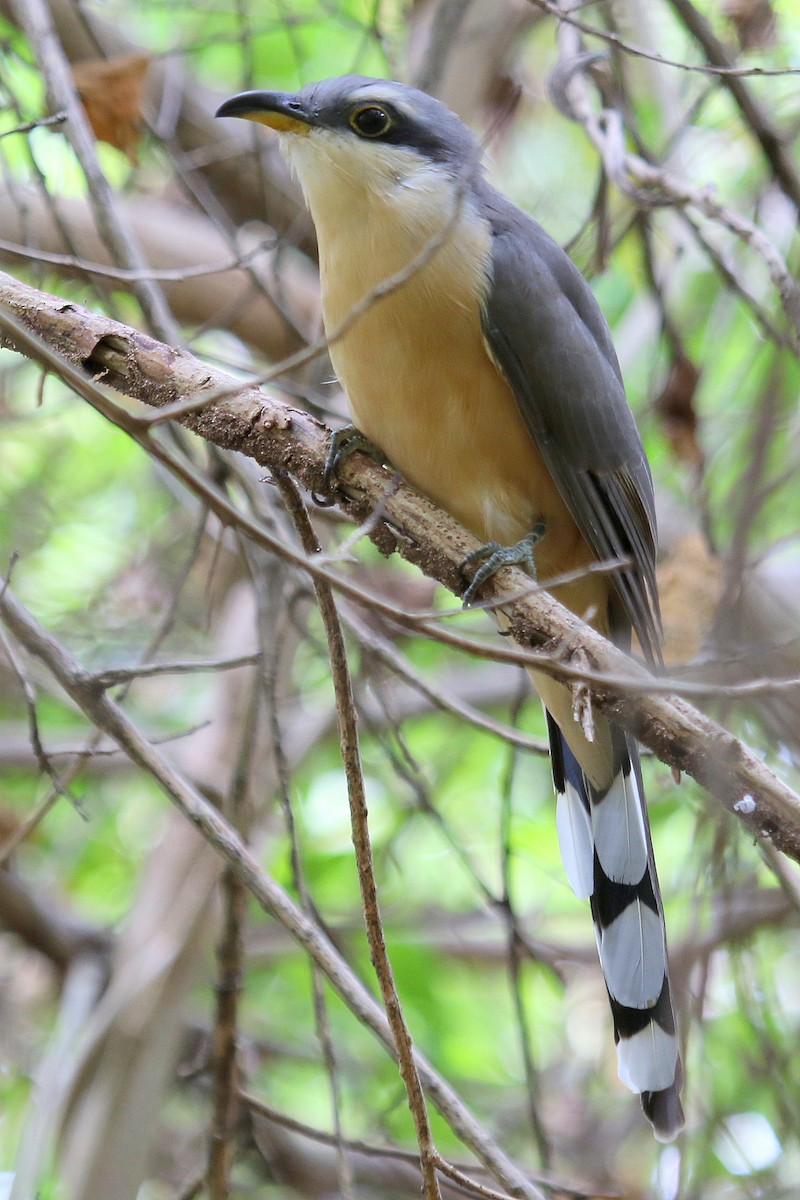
(497, 556)
(344, 442)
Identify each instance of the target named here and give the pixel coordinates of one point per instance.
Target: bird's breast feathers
(418, 376)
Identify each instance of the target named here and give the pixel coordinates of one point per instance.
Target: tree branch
(754, 115)
(110, 718)
(34, 17)
(649, 185)
(287, 439)
(205, 279)
(362, 844)
(249, 187)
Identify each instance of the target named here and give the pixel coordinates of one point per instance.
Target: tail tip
(664, 1112)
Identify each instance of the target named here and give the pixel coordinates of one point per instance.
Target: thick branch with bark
(253, 422)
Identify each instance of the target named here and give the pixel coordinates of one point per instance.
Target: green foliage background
(102, 537)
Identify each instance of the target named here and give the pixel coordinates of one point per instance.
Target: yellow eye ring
(370, 121)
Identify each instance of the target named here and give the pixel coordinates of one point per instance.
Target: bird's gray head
(353, 131)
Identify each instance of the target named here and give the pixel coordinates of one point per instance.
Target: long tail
(608, 857)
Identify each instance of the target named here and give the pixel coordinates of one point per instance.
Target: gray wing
(551, 342)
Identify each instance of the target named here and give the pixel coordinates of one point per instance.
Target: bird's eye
(371, 121)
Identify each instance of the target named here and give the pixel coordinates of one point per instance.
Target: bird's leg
(344, 442)
(497, 556)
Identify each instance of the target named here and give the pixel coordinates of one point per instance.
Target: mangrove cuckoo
(486, 373)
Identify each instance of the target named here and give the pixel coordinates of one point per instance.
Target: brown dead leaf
(111, 92)
(754, 22)
(9, 824)
(690, 586)
(503, 102)
(675, 407)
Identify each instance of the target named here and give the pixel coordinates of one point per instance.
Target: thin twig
(114, 676)
(385, 652)
(351, 759)
(458, 1172)
(74, 262)
(447, 22)
(613, 39)
(273, 655)
(284, 438)
(471, 1186)
(82, 988)
(516, 946)
(110, 718)
(57, 118)
(29, 700)
(257, 1105)
(648, 184)
(25, 828)
(755, 117)
(35, 18)
(230, 966)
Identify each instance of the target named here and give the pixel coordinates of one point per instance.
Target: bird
(473, 353)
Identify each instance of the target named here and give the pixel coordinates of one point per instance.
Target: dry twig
(109, 717)
(283, 438)
(351, 758)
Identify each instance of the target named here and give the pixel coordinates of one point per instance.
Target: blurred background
(160, 1037)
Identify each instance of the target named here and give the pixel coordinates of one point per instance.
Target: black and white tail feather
(608, 857)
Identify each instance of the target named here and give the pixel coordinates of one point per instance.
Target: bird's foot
(344, 442)
(497, 556)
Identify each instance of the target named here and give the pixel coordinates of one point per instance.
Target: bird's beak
(280, 110)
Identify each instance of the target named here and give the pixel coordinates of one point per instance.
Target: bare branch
(362, 843)
(109, 717)
(285, 438)
(57, 118)
(34, 17)
(49, 928)
(185, 244)
(182, 113)
(724, 70)
(230, 968)
(753, 114)
(647, 184)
